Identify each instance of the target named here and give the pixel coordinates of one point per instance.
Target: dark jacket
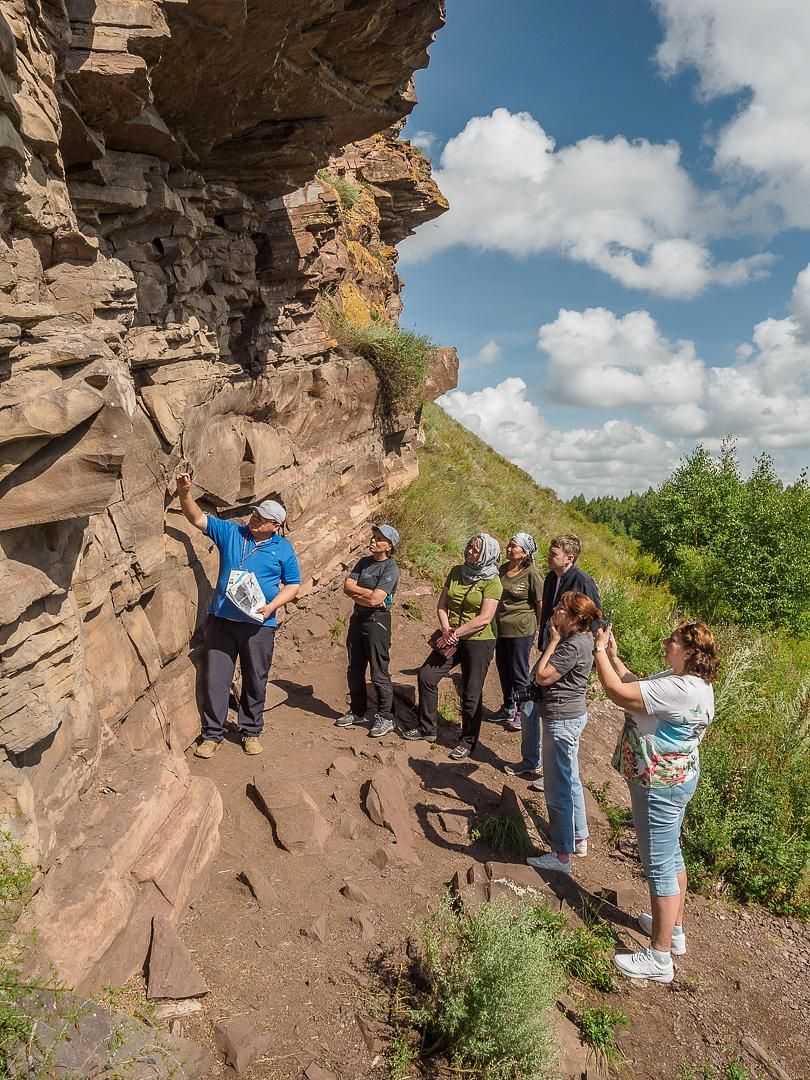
(573, 580)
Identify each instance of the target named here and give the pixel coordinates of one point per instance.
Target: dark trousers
(475, 658)
(369, 645)
(253, 644)
(512, 660)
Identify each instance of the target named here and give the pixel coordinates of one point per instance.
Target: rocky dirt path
(297, 965)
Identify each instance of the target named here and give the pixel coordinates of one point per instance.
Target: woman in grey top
(372, 584)
(563, 672)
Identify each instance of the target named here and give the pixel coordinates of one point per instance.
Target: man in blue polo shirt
(257, 548)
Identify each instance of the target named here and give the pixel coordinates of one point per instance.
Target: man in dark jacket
(563, 576)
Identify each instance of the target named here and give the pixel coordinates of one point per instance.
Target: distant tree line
(731, 548)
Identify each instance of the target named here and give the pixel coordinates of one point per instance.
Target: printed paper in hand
(245, 592)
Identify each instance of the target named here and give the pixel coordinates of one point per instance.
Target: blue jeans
(563, 787)
(658, 816)
(529, 735)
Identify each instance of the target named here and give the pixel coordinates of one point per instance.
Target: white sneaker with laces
(678, 947)
(643, 965)
(549, 862)
(581, 848)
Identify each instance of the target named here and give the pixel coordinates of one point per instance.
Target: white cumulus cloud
(602, 360)
(629, 209)
(489, 353)
(423, 140)
(615, 457)
(760, 50)
(596, 358)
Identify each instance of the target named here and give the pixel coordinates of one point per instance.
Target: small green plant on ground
(401, 1058)
(492, 979)
(506, 834)
(598, 1027)
(619, 817)
(732, 1069)
(399, 357)
(412, 610)
(338, 629)
(348, 193)
(584, 952)
(448, 712)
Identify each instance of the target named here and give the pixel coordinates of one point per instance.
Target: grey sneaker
(678, 946)
(348, 719)
(549, 861)
(513, 723)
(524, 771)
(414, 734)
(381, 726)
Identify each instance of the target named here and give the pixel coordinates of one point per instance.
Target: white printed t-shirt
(659, 747)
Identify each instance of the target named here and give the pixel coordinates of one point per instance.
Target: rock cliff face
(165, 239)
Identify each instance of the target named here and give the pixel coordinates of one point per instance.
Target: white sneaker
(581, 848)
(678, 947)
(643, 965)
(549, 862)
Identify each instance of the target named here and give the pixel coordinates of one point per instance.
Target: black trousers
(368, 642)
(512, 661)
(474, 658)
(253, 644)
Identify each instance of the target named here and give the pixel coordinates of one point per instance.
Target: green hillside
(748, 827)
(464, 487)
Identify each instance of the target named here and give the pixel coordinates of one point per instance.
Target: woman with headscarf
(516, 623)
(466, 636)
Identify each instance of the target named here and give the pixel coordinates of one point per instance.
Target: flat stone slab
(172, 971)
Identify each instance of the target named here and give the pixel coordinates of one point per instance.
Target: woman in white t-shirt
(657, 754)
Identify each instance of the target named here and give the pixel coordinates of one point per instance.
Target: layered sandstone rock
(171, 175)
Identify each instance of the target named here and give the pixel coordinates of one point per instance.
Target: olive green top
(464, 602)
(517, 611)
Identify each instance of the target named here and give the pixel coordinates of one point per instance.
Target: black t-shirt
(371, 574)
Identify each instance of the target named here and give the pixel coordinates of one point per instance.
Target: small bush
(399, 358)
(598, 1027)
(412, 610)
(348, 193)
(492, 978)
(338, 629)
(505, 834)
(448, 712)
(583, 953)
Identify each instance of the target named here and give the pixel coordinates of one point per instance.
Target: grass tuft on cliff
(747, 831)
(399, 357)
(348, 193)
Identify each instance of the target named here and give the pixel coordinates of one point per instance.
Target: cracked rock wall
(170, 183)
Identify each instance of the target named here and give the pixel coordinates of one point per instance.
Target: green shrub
(400, 358)
(15, 1020)
(449, 713)
(619, 817)
(492, 978)
(348, 193)
(598, 1027)
(506, 834)
(583, 953)
(748, 825)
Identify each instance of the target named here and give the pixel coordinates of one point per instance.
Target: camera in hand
(530, 692)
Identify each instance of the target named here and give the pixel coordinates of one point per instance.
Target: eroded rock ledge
(165, 240)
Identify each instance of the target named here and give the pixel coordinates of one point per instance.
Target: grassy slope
(465, 487)
(748, 829)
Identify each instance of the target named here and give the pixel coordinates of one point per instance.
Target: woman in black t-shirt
(371, 584)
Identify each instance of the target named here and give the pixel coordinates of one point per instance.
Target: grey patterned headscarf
(487, 565)
(527, 542)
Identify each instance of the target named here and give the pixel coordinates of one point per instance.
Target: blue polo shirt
(273, 561)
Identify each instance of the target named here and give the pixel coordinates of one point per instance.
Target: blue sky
(642, 166)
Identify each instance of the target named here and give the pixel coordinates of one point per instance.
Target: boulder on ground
(299, 825)
(260, 886)
(316, 931)
(240, 1042)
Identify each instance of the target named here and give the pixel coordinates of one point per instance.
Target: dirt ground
(746, 973)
